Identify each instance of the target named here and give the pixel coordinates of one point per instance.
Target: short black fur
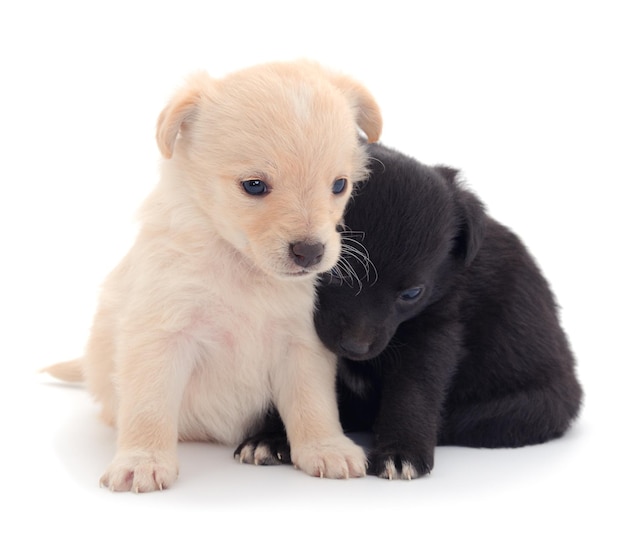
(453, 339)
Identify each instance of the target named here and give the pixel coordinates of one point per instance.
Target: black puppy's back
(516, 382)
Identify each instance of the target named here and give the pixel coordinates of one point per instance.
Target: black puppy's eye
(411, 294)
(255, 187)
(339, 185)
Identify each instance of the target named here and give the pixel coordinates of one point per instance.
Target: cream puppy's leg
(150, 381)
(306, 400)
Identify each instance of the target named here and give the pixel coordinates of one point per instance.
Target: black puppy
(447, 331)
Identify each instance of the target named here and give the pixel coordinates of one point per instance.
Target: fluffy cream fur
(207, 320)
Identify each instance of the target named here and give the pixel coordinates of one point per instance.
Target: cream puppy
(209, 317)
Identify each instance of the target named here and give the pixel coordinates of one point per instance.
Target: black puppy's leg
(413, 391)
(405, 432)
(267, 447)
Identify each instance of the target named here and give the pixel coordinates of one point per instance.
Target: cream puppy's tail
(70, 371)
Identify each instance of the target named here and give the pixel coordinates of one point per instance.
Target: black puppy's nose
(355, 347)
(306, 254)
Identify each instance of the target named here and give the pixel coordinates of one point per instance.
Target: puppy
(447, 330)
(208, 320)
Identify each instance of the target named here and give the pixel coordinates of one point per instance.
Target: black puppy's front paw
(394, 463)
(265, 448)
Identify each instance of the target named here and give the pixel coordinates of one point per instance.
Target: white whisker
(361, 256)
(354, 256)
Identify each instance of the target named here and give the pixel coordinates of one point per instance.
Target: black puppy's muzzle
(355, 348)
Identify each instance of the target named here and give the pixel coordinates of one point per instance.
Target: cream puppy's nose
(306, 254)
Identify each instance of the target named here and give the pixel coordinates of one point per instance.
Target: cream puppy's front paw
(141, 471)
(336, 457)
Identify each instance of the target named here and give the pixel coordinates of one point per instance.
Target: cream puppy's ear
(180, 110)
(368, 115)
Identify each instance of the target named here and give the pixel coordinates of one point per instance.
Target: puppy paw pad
(258, 455)
(331, 459)
(391, 472)
(140, 474)
(270, 450)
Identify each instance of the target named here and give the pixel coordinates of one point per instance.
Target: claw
(390, 469)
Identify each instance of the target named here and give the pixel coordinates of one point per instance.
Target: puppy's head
(270, 155)
(410, 229)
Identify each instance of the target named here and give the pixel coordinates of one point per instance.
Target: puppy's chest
(232, 337)
(249, 319)
(364, 379)
(238, 344)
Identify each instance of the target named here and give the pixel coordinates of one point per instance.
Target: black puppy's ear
(470, 217)
(471, 225)
(450, 174)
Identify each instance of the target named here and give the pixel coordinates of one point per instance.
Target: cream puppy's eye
(255, 187)
(339, 185)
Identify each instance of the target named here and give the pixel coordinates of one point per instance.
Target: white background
(526, 98)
